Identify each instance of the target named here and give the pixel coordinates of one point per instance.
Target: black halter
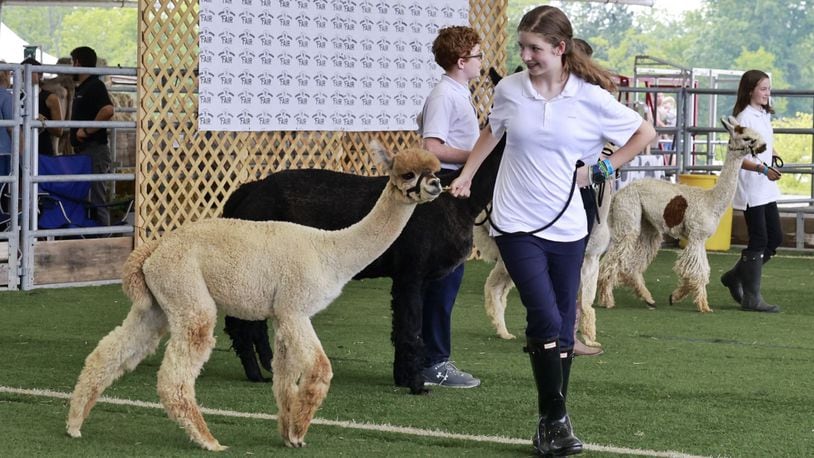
(417, 188)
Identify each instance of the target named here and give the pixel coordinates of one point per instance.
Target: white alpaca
(254, 271)
(644, 210)
(499, 283)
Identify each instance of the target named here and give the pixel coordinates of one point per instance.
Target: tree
(38, 26)
(112, 33)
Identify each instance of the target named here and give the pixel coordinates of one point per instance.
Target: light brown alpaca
(644, 210)
(254, 271)
(499, 284)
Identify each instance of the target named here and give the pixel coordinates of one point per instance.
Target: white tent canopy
(11, 48)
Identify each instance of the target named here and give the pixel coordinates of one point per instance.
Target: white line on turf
(354, 425)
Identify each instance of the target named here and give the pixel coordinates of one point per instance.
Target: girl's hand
(460, 187)
(773, 174)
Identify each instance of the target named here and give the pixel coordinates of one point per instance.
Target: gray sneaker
(446, 374)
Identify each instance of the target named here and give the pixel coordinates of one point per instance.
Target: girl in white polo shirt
(756, 195)
(554, 113)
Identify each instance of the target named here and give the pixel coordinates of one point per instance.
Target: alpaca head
(742, 140)
(411, 171)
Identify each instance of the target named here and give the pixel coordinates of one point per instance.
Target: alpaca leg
(608, 274)
(612, 268)
(496, 291)
(302, 377)
(648, 245)
(587, 319)
(243, 334)
(190, 345)
(637, 283)
(117, 353)
(682, 290)
(406, 336)
(692, 267)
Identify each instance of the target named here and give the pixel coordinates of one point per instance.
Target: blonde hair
(553, 25)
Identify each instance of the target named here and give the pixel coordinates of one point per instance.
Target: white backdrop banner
(353, 65)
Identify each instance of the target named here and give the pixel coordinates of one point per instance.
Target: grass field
(672, 381)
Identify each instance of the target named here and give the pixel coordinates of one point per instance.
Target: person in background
(666, 117)
(50, 109)
(6, 113)
(92, 103)
(756, 195)
(449, 128)
(554, 113)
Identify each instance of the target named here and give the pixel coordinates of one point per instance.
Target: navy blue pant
(436, 325)
(763, 226)
(546, 275)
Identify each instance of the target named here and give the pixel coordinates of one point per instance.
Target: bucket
(721, 239)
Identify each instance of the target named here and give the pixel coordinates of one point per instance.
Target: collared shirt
(449, 116)
(755, 189)
(545, 138)
(90, 96)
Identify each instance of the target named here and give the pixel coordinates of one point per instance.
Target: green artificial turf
(729, 383)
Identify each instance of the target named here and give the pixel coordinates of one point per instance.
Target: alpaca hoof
(74, 432)
(295, 443)
(651, 306)
(506, 335)
(670, 299)
(420, 390)
(216, 447)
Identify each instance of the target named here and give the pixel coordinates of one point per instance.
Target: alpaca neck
(724, 189)
(350, 250)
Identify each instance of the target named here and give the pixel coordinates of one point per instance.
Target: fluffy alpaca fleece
(255, 271)
(436, 240)
(644, 210)
(499, 283)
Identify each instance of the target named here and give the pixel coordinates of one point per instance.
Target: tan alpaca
(644, 210)
(254, 271)
(499, 284)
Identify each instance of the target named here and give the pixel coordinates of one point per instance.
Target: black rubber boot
(750, 272)
(554, 436)
(732, 280)
(240, 332)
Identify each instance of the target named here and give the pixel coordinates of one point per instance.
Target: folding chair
(64, 204)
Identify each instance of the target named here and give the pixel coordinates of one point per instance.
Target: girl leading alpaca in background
(756, 195)
(554, 113)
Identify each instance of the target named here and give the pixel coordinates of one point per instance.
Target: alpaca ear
(381, 155)
(729, 123)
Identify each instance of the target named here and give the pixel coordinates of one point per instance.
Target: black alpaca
(437, 239)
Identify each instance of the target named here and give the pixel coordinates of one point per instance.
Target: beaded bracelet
(601, 171)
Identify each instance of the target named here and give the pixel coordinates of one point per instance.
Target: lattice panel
(185, 175)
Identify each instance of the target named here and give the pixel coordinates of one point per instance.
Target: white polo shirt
(755, 189)
(449, 116)
(544, 141)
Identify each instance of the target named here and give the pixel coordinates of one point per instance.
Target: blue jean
(546, 275)
(436, 330)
